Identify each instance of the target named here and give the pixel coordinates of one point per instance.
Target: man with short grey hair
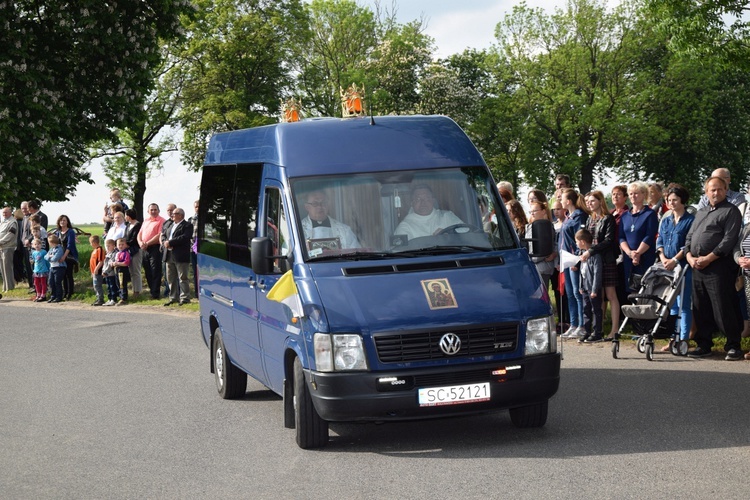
(177, 257)
(733, 197)
(8, 242)
(709, 249)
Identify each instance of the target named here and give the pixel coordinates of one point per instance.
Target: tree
(330, 53)
(138, 149)
(443, 93)
(571, 71)
(696, 115)
(236, 68)
(397, 64)
(718, 29)
(69, 71)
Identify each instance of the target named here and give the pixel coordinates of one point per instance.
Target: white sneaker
(110, 303)
(570, 333)
(581, 332)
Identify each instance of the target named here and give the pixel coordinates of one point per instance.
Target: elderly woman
(637, 231)
(670, 248)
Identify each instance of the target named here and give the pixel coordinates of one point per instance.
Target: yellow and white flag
(285, 291)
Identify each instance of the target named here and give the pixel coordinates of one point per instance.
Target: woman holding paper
(572, 202)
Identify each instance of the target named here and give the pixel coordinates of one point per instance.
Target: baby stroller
(657, 290)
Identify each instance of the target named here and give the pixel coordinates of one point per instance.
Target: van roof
(322, 146)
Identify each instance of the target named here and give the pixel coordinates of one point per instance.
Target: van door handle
(262, 285)
(252, 282)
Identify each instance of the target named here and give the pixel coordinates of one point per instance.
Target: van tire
(530, 416)
(312, 431)
(231, 382)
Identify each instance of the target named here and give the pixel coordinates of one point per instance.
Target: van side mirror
(261, 255)
(542, 238)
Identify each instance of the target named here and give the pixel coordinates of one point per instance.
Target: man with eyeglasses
(423, 218)
(318, 225)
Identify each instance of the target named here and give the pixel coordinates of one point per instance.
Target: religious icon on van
(439, 293)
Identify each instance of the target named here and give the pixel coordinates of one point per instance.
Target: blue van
(365, 269)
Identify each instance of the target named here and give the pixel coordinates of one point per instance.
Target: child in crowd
(592, 271)
(110, 274)
(122, 263)
(57, 269)
(41, 270)
(37, 231)
(96, 262)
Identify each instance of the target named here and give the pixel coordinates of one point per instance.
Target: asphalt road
(119, 403)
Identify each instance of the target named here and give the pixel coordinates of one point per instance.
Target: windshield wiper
(441, 249)
(357, 256)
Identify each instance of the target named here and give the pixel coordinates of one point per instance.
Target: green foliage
(137, 149)
(398, 64)
(694, 116)
(236, 68)
(570, 69)
(68, 72)
(330, 53)
(717, 29)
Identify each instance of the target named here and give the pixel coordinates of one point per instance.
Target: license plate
(455, 394)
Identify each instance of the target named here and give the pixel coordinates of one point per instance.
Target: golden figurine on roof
(352, 101)
(290, 110)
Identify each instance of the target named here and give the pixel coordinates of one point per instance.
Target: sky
(454, 25)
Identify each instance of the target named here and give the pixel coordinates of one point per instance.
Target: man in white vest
(423, 218)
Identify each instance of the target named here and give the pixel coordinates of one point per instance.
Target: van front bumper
(393, 395)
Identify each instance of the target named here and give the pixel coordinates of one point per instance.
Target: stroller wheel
(641, 344)
(673, 347)
(682, 348)
(650, 351)
(615, 348)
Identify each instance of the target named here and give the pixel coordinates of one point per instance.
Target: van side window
(277, 227)
(215, 210)
(244, 217)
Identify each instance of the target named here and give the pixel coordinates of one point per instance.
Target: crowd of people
(47, 259)
(606, 249)
(601, 252)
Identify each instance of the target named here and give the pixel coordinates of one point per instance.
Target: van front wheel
(312, 431)
(530, 416)
(231, 382)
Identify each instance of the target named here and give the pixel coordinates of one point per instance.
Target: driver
(423, 218)
(319, 225)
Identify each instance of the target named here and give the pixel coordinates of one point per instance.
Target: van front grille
(425, 344)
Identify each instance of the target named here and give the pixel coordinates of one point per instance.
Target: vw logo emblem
(450, 344)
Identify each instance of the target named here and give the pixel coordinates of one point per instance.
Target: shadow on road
(596, 412)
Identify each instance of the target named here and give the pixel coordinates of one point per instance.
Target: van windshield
(400, 214)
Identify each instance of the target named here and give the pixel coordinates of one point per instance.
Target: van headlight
(540, 336)
(339, 352)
